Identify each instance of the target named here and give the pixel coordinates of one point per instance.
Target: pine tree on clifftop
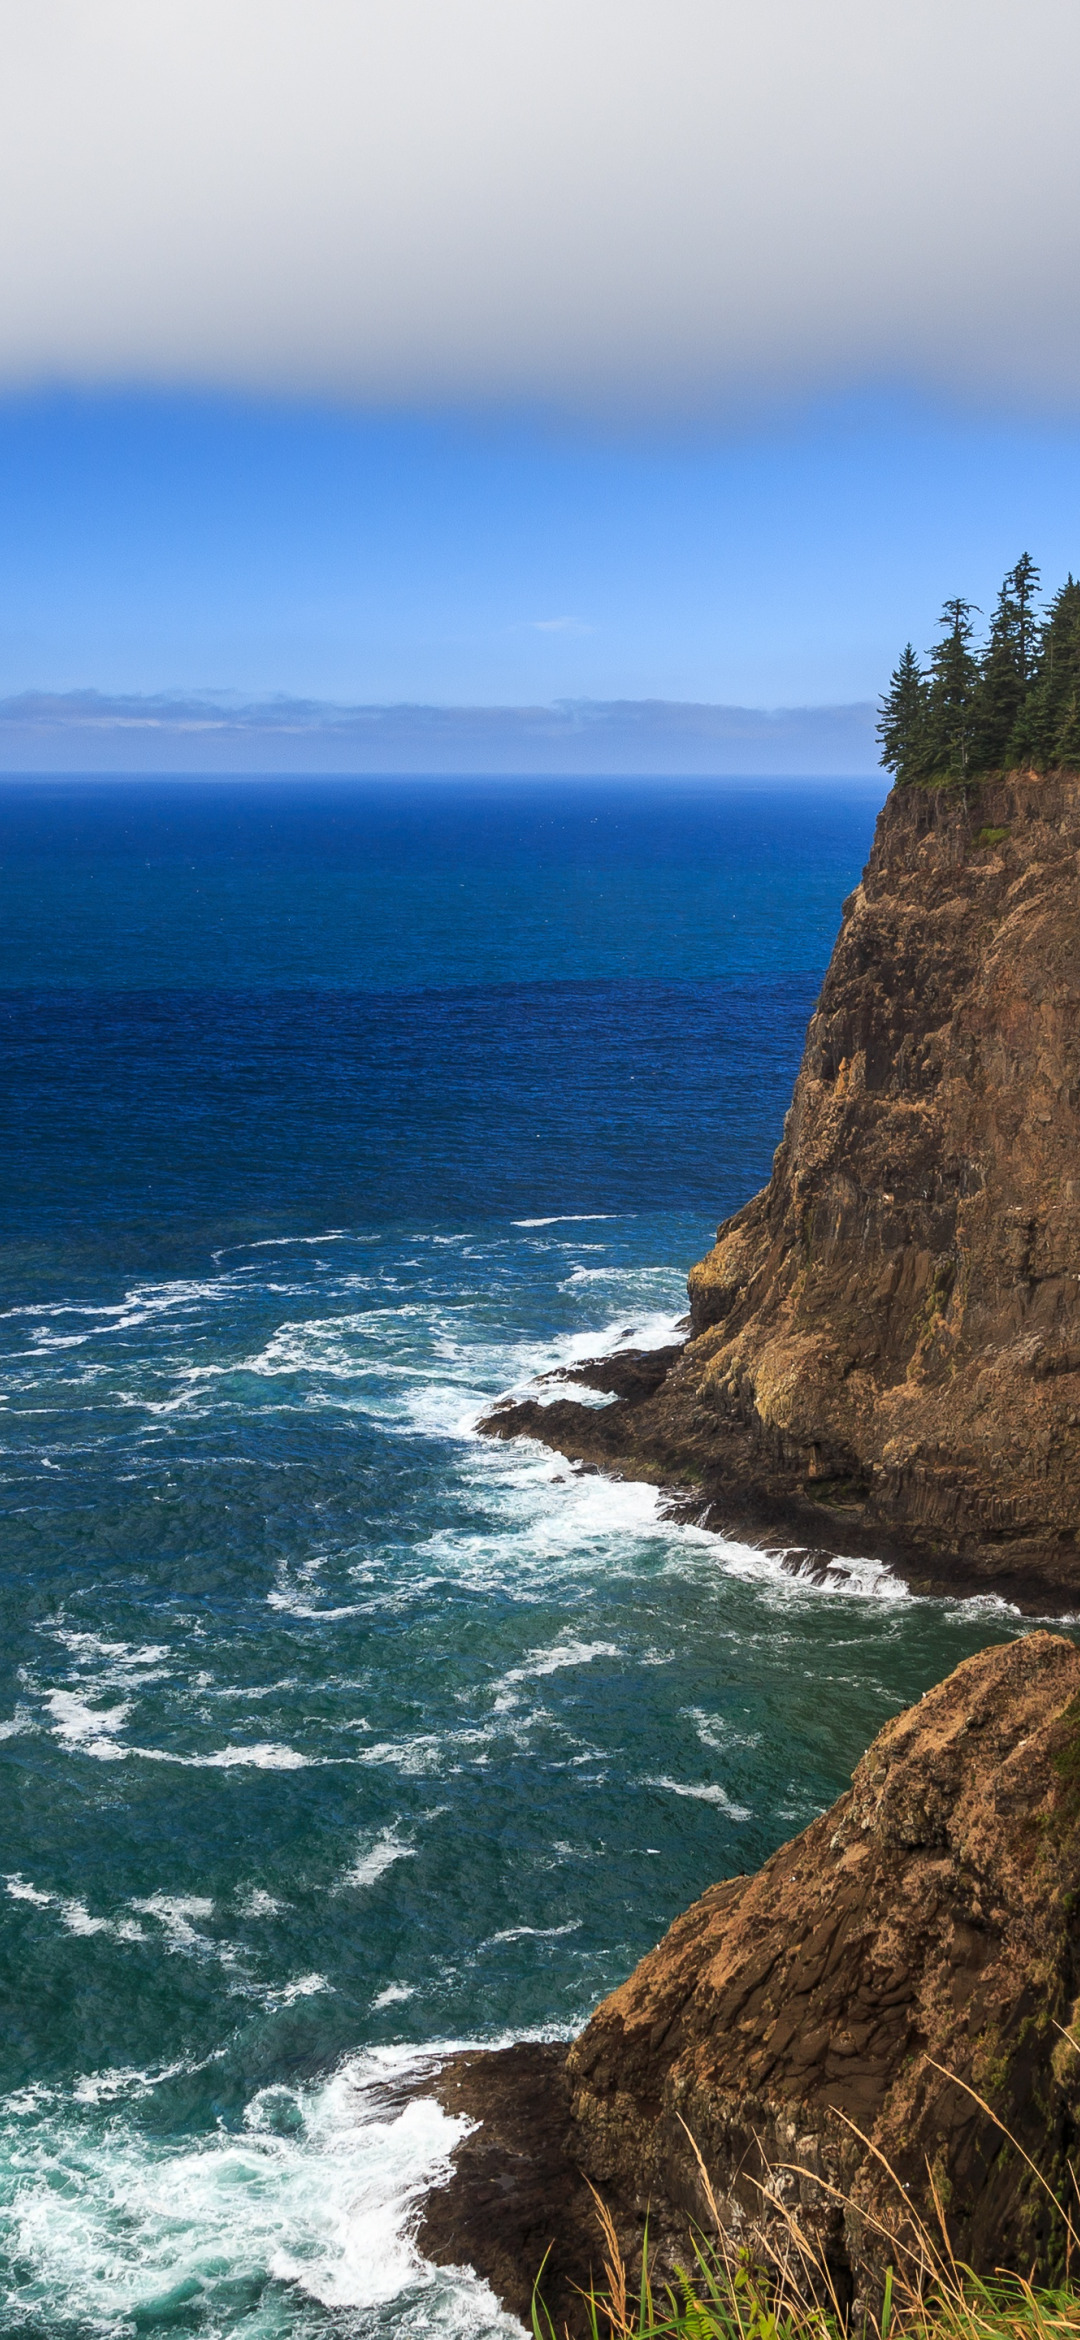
(1015, 702)
(901, 726)
(1047, 728)
(952, 695)
(1007, 667)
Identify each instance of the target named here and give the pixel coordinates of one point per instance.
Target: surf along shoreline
(882, 1357)
(883, 1350)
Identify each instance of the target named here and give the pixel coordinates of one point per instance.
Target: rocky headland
(883, 1358)
(884, 1345)
(895, 1986)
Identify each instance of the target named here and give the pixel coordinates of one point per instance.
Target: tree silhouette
(952, 696)
(1015, 702)
(902, 726)
(1007, 665)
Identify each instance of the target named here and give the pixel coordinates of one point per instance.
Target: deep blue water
(330, 1731)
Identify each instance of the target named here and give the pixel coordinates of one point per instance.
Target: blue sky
(197, 541)
(516, 350)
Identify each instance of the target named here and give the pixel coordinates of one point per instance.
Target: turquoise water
(331, 1732)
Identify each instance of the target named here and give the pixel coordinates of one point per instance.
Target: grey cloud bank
(85, 732)
(605, 204)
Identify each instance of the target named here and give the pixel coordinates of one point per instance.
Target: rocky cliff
(805, 2025)
(884, 1353)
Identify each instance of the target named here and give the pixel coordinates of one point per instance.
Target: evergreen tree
(901, 724)
(1006, 667)
(1045, 731)
(1016, 702)
(952, 696)
(1023, 584)
(1025, 588)
(1066, 748)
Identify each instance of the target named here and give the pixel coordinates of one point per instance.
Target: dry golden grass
(927, 2294)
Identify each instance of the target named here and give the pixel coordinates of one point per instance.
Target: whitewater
(332, 1733)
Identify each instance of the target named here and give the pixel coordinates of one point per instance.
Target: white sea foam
(328, 1346)
(21, 1891)
(289, 1242)
(264, 1755)
(78, 1920)
(113, 2086)
(546, 1525)
(305, 1986)
(317, 2195)
(261, 1755)
(539, 1662)
(707, 1792)
(716, 1733)
(567, 1219)
(563, 1654)
(430, 1753)
(110, 2086)
(380, 1855)
(537, 1933)
(140, 1306)
(73, 1913)
(115, 1664)
(175, 1913)
(636, 1279)
(246, 1690)
(470, 1374)
(530, 1369)
(150, 1297)
(88, 1730)
(293, 1603)
(992, 1605)
(853, 1578)
(549, 1523)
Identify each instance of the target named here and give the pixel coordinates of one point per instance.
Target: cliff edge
(893, 1991)
(884, 1353)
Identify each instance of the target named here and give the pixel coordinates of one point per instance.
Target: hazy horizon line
(88, 730)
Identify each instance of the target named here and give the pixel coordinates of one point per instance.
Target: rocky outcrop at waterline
(884, 1350)
(913, 1952)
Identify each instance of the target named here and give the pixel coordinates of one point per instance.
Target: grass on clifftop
(714, 2301)
(790, 2295)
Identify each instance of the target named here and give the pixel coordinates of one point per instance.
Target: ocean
(332, 1733)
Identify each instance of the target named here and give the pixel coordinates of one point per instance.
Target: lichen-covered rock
(885, 1344)
(916, 1949)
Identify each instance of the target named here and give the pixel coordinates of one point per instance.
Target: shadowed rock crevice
(884, 1352)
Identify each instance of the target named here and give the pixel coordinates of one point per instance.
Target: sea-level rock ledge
(884, 1345)
(914, 1950)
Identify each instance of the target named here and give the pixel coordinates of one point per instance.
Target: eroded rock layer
(884, 1352)
(913, 1951)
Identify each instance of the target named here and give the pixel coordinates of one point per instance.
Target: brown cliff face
(926, 1920)
(885, 1344)
(923, 1935)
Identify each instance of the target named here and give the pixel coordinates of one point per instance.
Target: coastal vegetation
(720, 2297)
(789, 2291)
(1011, 702)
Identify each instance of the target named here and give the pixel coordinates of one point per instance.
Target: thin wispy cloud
(601, 203)
(87, 731)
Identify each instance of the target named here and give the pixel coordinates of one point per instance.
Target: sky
(500, 352)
